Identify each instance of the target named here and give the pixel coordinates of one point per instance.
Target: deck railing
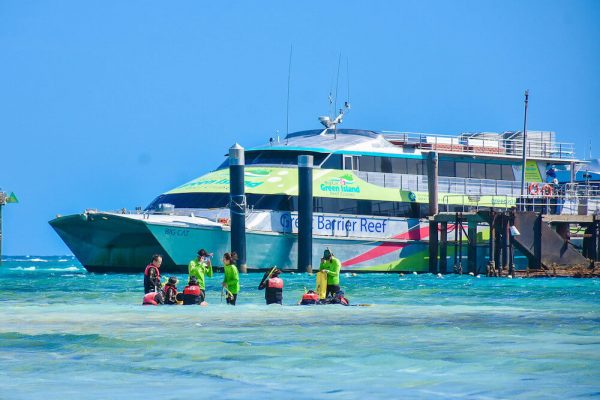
(537, 146)
(418, 183)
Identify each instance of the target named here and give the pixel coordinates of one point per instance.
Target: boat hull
(105, 242)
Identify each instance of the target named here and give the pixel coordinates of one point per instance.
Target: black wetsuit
(151, 279)
(273, 289)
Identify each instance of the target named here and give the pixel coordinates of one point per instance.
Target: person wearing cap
(170, 291)
(273, 286)
(332, 267)
(200, 267)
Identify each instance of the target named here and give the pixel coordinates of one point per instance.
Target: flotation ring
(534, 188)
(547, 190)
(224, 221)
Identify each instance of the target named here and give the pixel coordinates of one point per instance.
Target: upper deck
(540, 144)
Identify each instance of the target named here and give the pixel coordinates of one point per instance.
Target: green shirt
(198, 269)
(232, 279)
(333, 268)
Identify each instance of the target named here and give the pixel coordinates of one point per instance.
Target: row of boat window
(409, 166)
(290, 203)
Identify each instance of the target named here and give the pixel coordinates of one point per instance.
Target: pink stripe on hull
(384, 248)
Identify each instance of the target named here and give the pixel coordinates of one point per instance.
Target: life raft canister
(149, 299)
(534, 188)
(193, 290)
(547, 190)
(275, 283)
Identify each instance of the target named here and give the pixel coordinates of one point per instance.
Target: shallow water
(67, 333)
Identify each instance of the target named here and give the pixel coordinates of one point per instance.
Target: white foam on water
(63, 269)
(37, 260)
(23, 269)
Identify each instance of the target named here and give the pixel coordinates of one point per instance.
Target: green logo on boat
(344, 183)
(412, 196)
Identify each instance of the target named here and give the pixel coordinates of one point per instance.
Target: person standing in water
(332, 267)
(273, 286)
(152, 275)
(231, 278)
(198, 268)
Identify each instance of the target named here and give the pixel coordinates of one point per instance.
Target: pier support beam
(491, 267)
(433, 246)
(443, 263)
(305, 213)
(1, 207)
(237, 204)
(472, 249)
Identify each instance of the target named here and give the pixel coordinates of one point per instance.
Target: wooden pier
(543, 238)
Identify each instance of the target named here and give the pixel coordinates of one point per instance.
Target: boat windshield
(277, 157)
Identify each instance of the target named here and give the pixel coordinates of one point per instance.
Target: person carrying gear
(192, 294)
(153, 298)
(231, 278)
(273, 286)
(152, 275)
(170, 291)
(198, 268)
(332, 267)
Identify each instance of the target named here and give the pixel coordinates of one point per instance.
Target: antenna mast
(327, 121)
(524, 145)
(287, 111)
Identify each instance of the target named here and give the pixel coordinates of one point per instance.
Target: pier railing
(539, 144)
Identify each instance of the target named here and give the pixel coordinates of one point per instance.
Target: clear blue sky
(105, 104)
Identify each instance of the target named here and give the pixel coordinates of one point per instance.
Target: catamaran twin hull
(107, 242)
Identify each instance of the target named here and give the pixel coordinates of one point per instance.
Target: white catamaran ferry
(370, 200)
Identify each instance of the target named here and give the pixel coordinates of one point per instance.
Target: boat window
(348, 162)
(462, 169)
(478, 171)
(507, 173)
(370, 164)
(386, 164)
(493, 171)
(446, 168)
(411, 166)
(276, 157)
(290, 203)
(399, 166)
(333, 162)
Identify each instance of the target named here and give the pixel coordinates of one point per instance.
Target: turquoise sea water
(69, 334)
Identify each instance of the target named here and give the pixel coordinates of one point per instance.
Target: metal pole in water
(305, 212)
(524, 146)
(237, 204)
(444, 247)
(1, 207)
(432, 182)
(472, 249)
